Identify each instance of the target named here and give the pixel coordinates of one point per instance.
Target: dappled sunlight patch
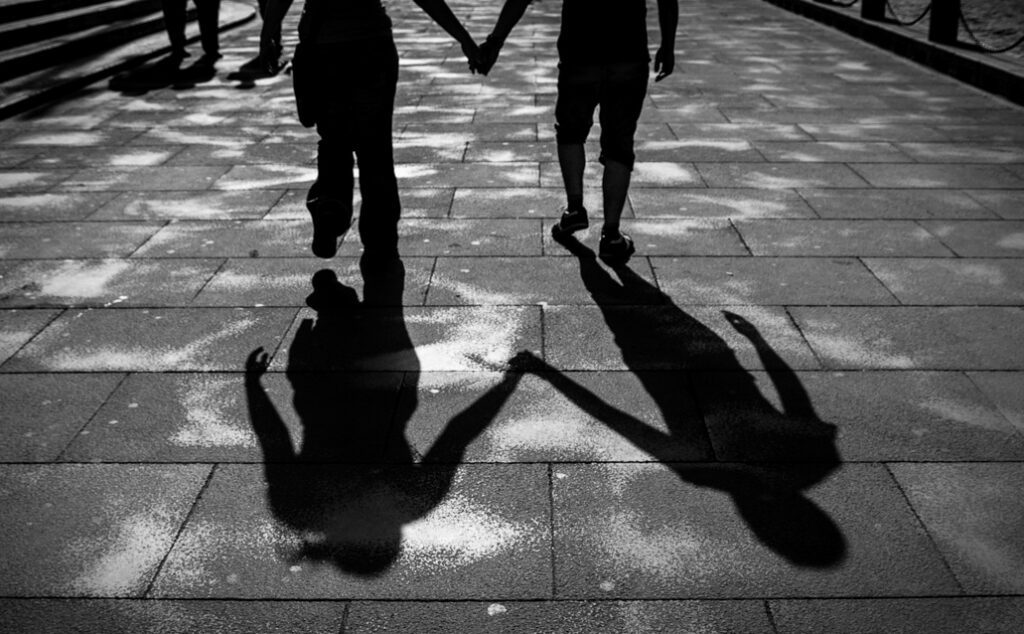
(473, 339)
(266, 177)
(127, 557)
(138, 158)
(461, 532)
(208, 403)
(676, 227)
(89, 356)
(82, 280)
(662, 173)
(68, 139)
(969, 414)
(1011, 241)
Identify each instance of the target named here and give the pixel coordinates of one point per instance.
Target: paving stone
(189, 206)
(162, 178)
(234, 239)
(23, 181)
(779, 175)
(50, 207)
(768, 281)
(562, 617)
(212, 417)
(541, 422)
(645, 174)
(473, 132)
(893, 204)
(231, 137)
(460, 237)
(983, 133)
(520, 281)
(732, 203)
(952, 281)
(111, 282)
(889, 132)
(667, 236)
(269, 176)
(18, 327)
(73, 138)
(417, 202)
(508, 152)
(973, 512)
(938, 176)
(981, 239)
(40, 413)
(740, 131)
(464, 338)
(520, 202)
(416, 532)
(919, 338)
(664, 531)
(253, 153)
(666, 337)
(98, 156)
(644, 132)
(120, 616)
(830, 238)
(126, 339)
(1004, 390)
(962, 153)
(90, 530)
(15, 157)
(1007, 204)
(691, 150)
(832, 152)
(938, 416)
(467, 174)
(860, 616)
(72, 240)
(288, 281)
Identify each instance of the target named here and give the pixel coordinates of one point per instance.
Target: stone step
(57, 23)
(14, 10)
(78, 69)
(62, 48)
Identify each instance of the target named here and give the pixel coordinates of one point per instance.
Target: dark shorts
(619, 89)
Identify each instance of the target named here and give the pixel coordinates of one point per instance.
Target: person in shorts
(603, 61)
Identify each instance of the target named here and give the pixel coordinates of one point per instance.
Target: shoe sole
(618, 258)
(326, 230)
(557, 230)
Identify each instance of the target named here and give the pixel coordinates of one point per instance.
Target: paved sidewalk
(799, 409)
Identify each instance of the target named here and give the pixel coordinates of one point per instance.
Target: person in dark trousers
(603, 61)
(268, 62)
(345, 85)
(174, 20)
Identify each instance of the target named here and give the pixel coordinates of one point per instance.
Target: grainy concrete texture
(797, 409)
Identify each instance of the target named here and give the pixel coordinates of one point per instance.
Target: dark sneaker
(572, 220)
(331, 219)
(261, 66)
(616, 250)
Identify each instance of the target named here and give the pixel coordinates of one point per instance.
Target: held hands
(664, 62)
(482, 58)
(472, 53)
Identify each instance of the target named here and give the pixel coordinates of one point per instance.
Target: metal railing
(944, 26)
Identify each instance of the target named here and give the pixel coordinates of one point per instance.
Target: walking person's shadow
(343, 491)
(765, 458)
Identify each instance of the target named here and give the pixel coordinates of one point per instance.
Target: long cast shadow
(343, 490)
(765, 458)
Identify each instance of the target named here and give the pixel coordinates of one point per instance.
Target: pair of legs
(619, 89)
(175, 19)
(356, 84)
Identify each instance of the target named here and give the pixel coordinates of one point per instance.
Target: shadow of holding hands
(765, 457)
(354, 481)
